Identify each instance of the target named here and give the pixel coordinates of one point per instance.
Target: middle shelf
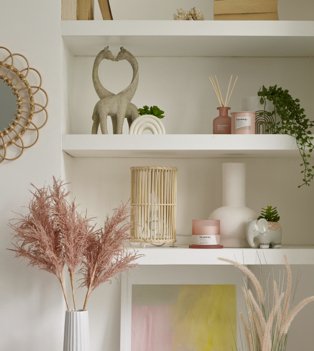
(179, 145)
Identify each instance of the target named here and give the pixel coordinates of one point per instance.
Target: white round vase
(233, 215)
(76, 331)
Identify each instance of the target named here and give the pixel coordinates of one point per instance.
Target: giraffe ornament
(117, 106)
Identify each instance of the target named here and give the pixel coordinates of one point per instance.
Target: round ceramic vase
(234, 214)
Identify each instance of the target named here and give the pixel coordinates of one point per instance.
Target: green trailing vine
(151, 110)
(288, 117)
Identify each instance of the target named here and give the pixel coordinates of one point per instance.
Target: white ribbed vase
(233, 215)
(76, 331)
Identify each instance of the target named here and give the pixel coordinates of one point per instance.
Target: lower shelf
(187, 256)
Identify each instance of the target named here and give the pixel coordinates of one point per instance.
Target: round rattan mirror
(23, 104)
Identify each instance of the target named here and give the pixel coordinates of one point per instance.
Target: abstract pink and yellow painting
(183, 318)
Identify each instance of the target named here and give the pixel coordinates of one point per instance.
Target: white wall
(31, 307)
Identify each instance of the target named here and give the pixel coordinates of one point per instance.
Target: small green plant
(288, 117)
(270, 213)
(151, 110)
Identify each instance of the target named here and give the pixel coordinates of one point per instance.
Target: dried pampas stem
(54, 236)
(268, 320)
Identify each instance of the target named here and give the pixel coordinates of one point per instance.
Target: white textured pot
(76, 331)
(233, 215)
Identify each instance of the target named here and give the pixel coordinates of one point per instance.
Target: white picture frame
(180, 275)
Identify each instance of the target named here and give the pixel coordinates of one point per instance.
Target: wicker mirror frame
(22, 132)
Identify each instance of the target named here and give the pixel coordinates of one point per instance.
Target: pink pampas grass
(53, 235)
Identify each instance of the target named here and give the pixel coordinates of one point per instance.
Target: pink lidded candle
(243, 122)
(205, 227)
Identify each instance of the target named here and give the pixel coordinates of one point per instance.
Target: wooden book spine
(246, 9)
(105, 9)
(85, 10)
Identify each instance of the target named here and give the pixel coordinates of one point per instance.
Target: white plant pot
(76, 331)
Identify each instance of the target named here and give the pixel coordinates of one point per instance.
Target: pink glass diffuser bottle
(222, 123)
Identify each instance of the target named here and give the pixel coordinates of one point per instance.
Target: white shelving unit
(193, 39)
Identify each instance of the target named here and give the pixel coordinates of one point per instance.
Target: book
(85, 10)
(245, 10)
(105, 9)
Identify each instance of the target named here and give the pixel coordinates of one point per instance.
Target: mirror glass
(8, 105)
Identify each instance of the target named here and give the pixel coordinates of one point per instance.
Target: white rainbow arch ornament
(147, 124)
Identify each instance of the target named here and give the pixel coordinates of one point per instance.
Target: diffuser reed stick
(216, 86)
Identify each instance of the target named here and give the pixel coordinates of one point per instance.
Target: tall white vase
(233, 215)
(76, 331)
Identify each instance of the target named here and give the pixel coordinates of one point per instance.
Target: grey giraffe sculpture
(117, 106)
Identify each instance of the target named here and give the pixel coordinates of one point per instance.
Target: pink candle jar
(205, 227)
(205, 233)
(243, 122)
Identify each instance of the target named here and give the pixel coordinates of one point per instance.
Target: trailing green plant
(288, 117)
(270, 213)
(151, 110)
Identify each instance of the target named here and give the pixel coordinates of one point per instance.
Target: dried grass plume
(269, 314)
(55, 237)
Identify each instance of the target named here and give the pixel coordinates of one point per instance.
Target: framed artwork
(182, 309)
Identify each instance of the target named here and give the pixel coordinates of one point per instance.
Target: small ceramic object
(264, 234)
(147, 124)
(117, 106)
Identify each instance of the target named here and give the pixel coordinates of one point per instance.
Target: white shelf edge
(178, 145)
(192, 38)
(188, 28)
(246, 256)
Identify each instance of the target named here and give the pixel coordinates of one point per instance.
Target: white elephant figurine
(264, 234)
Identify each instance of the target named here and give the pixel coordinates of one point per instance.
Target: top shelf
(192, 38)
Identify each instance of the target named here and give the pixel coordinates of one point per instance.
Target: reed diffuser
(222, 123)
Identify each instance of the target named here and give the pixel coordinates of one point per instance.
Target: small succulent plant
(151, 110)
(270, 213)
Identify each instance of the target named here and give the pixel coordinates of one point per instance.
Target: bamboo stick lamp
(153, 205)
